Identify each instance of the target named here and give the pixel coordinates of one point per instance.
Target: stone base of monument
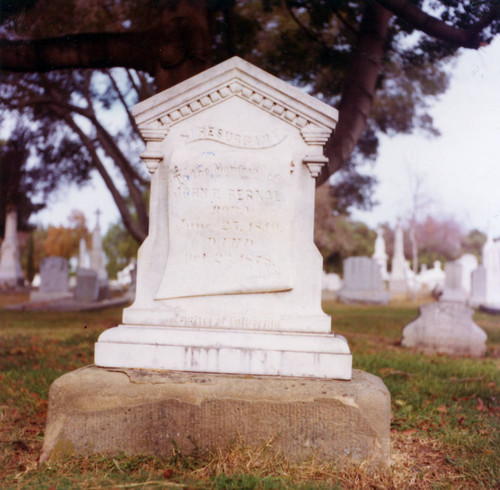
(42, 297)
(445, 327)
(218, 350)
(101, 410)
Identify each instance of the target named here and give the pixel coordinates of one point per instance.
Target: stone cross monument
(229, 279)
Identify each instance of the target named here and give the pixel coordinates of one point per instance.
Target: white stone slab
(222, 351)
(233, 153)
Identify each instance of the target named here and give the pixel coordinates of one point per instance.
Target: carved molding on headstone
(153, 155)
(316, 138)
(236, 88)
(315, 163)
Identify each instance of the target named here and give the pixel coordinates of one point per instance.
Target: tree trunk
(359, 87)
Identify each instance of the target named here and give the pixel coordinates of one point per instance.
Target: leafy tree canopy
(378, 61)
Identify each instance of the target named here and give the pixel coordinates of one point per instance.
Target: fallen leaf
(409, 432)
(442, 409)
(480, 405)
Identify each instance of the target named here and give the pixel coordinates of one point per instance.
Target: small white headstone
(453, 285)
(491, 262)
(478, 287)
(229, 279)
(469, 263)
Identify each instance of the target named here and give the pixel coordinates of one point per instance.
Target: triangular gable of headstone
(234, 153)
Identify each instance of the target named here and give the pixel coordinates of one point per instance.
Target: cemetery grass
(444, 429)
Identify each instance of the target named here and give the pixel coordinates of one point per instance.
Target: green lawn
(445, 423)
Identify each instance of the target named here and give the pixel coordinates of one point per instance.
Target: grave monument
(469, 264)
(380, 255)
(54, 284)
(363, 282)
(453, 283)
(445, 327)
(11, 274)
(491, 263)
(226, 337)
(97, 260)
(478, 287)
(398, 281)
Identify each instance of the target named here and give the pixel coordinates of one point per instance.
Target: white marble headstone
(491, 263)
(453, 285)
(229, 279)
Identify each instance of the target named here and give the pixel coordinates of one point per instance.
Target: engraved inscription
(230, 219)
(228, 137)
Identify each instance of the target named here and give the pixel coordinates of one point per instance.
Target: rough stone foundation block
(97, 409)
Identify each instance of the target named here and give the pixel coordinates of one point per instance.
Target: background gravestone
(54, 282)
(87, 285)
(491, 262)
(363, 282)
(453, 283)
(445, 328)
(478, 287)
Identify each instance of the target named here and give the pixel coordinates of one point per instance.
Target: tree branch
(94, 50)
(128, 221)
(359, 87)
(467, 38)
(131, 119)
(311, 35)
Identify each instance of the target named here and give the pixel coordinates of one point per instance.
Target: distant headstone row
(366, 280)
(91, 277)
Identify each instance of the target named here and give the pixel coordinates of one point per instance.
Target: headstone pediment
(234, 78)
